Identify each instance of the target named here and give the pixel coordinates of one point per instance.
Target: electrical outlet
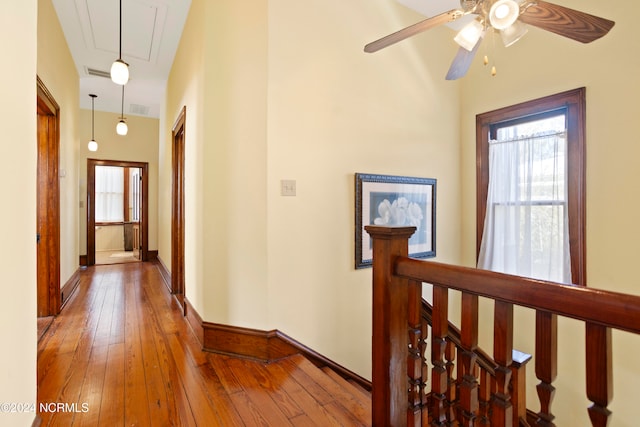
(288, 187)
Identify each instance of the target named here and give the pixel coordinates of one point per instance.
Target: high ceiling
(151, 31)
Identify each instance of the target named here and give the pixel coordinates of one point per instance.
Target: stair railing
(399, 367)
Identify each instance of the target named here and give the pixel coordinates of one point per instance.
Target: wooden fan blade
(566, 22)
(462, 62)
(414, 29)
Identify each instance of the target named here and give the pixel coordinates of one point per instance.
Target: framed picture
(395, 201)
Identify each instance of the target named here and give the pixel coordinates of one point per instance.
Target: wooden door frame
(48, 203)
(91, 211)
(177, 207)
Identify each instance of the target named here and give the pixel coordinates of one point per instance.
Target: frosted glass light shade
(503, 14)
(469, 35)
(93, 145)
(122, 128)
(512, 34)
(120, 72)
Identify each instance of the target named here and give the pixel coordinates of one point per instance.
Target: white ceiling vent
(140, 110)
(98, 73)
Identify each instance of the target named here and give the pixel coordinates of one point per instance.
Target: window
(135, 189)
(531, 188)
(109, 194)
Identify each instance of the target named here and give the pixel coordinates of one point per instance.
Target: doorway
(48, 203)
(177, 209)
(117, 213)
(132, 225)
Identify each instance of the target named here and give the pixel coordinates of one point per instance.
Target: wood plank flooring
(121, 354)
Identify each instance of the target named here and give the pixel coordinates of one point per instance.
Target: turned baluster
(599, 373)
(519, 386)
(450, 358)
(546, 364)
(417, 414)
(439, 376)
(501, 408)
(424, 337)
(484, 396)
(468, 395)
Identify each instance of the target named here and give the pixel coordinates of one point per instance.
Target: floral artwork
(399, 212)
(395, 201)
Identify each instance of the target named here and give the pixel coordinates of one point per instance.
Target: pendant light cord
(93, 98)
(122, 109)
(120, 52)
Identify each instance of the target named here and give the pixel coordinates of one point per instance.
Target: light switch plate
(288, 187)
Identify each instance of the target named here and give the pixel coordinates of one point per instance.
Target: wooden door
(48, 204)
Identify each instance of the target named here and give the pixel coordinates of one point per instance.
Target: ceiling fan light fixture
(120, 72)
(469, 35)
(513, 33)
(503, 14)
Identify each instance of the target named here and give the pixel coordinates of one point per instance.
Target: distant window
(531, 189)
(109, 194)
(135, 193)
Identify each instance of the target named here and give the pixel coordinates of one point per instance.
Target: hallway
(120, 353)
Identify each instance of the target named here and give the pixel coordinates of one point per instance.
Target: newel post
(389, 398)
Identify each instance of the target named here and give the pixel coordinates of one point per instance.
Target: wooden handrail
(606, 308)
(401, 346)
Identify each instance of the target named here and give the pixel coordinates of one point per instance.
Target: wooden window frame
(573, 102)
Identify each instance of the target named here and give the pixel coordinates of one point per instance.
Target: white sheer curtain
(525, 229)
(109, 194)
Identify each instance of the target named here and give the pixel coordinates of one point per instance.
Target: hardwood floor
(114, 257)
(120, 353)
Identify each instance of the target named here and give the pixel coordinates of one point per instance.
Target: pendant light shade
(119, 68)
(93, 145)
(120, 72)
(121, 127)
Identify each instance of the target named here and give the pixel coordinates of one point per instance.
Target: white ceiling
(431, 8)
(151, 31)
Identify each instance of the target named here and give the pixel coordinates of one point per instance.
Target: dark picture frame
(395, 201)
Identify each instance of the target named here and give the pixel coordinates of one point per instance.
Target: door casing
(91, 210)
(48, 203)
(177, 209)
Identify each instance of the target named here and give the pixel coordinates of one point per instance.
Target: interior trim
(69, 287)
(264, 346)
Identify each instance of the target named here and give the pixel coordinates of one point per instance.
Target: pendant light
(119, 68)
(93, 145)
(121, 127)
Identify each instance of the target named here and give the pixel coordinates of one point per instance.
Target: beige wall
(333, 111)
(542, 64)
(110, 238)
(57, 71)
(18, 173)
(284, 91)
(220, 76)
(139, 145)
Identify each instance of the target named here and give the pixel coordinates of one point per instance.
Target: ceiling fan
(508, 17)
